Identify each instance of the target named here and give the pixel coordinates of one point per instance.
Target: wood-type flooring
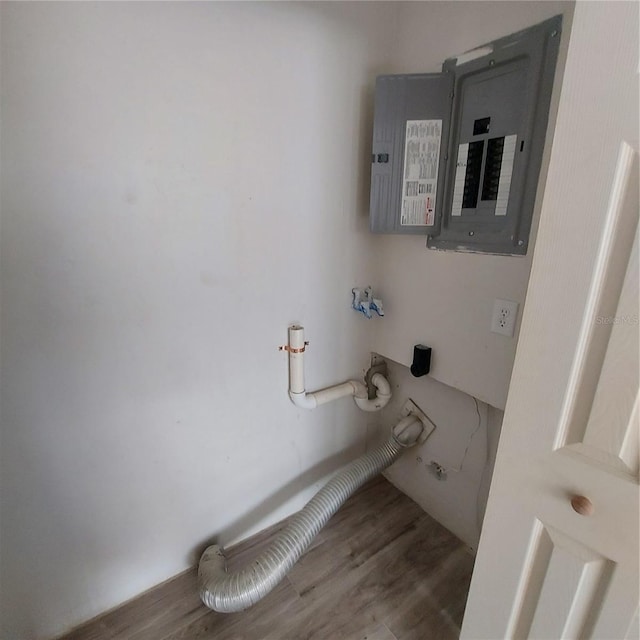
(382, 569)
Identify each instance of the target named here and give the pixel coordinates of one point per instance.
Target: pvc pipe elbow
(372, 405)
(383, 395)
(381, 384)
(303, 400)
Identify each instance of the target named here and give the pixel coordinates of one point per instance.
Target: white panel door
(558, 557)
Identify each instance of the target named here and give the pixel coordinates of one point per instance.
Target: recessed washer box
(457, 155)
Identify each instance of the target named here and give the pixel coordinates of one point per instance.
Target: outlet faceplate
(503, 320)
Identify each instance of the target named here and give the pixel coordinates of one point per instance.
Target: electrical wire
(469, 441)
(441, 470)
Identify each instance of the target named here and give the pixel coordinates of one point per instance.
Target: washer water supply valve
(364, 302)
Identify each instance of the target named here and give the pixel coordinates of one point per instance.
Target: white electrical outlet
(503, 320)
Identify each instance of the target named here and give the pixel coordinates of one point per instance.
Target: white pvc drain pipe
(312, 399)
(227, 593)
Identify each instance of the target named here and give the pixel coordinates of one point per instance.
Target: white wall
(445, 299)
(179, 183)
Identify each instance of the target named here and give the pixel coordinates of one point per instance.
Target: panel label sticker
(420, 172)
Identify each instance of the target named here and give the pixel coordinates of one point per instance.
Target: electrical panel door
(411, 133)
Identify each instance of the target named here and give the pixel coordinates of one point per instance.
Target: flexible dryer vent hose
(226, 593)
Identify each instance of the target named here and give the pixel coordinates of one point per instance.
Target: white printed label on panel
(506, 171)
(458, 185)
(420, 172)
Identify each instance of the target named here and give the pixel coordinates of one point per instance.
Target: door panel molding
(608, 276)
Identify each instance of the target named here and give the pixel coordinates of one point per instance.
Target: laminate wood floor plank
(382, 569)
(91, 631)
(418, 543)
(379, 632)
(377, 588)
(338, 554)
(437, 606)
(252, 624)
(174, 602)
(335, 569)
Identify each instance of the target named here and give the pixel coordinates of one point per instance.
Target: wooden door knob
(582, 505)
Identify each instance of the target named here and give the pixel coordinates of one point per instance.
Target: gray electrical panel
(498, 96)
